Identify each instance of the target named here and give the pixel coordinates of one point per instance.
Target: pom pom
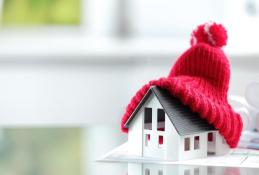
(210, 33)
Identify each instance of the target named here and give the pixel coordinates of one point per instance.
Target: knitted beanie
(200, 79)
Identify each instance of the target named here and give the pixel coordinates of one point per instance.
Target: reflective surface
(59, 150)
(154, 169)
(160, 169)
(74, 151)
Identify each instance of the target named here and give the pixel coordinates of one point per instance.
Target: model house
(162, 127)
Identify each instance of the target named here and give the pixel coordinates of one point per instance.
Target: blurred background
(69, 67)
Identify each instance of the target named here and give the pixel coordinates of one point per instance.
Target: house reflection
(160, 169)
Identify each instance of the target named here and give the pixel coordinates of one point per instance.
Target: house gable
(184, 120)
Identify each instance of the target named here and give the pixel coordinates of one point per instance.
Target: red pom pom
(210, 33)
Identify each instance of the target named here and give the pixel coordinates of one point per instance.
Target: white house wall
(171, 137)
(191, 154)
(153, 150)
(135, 135)
(172, 141)
(221, 145)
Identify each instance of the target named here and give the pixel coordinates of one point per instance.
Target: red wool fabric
(200, 79)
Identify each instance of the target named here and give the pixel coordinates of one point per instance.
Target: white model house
(162, 127)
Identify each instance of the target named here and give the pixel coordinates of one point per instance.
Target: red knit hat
(200, 79)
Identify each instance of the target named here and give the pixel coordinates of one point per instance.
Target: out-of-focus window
(41, 12)
(45, 151)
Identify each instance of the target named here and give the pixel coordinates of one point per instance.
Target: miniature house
(161, 127)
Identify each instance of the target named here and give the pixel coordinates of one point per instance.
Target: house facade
(163, 128)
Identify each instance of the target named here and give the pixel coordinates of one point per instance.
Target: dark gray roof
(184, 120)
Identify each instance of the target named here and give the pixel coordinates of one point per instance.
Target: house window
(148, 118)
(160, 172)
(147, 139)
(147, 171)
(186, 144)
(196, 142)
(187, 172)
(160, 120)
(210, 137)
(160, 141)
(196, 171)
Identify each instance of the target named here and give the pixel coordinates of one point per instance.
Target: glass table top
(167, 169)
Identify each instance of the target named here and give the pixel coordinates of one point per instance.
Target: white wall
(221, 145)
(47, 94)
(82, 92)
(135, 135)
(172, 141)
(153, 149)
(191, 154)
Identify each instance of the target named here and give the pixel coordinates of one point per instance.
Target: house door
(153, 133)
(211, 143)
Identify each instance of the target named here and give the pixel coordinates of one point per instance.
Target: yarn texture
(200, 79)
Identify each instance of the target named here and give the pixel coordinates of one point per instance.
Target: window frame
(148, 118)
(211, 137)
(187, 144)
(160, 145)
(160, 116)
(147, 140)
(196, 145)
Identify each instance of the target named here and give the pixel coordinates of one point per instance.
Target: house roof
(184, 120)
